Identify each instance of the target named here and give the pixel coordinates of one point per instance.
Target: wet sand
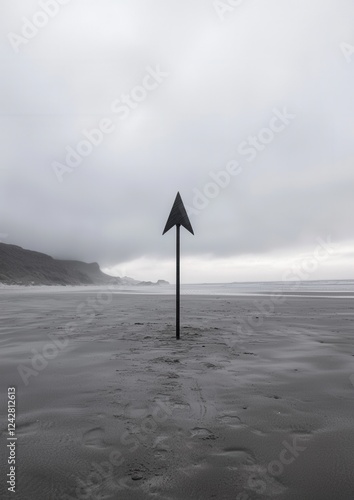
(246, 405)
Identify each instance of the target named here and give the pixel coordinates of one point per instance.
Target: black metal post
(178, 217)
(177, 280)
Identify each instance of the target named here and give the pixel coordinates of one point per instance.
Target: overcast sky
(261, 91)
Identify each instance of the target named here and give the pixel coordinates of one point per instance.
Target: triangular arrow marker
(178, 217)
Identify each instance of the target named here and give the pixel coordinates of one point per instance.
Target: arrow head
(178, 216)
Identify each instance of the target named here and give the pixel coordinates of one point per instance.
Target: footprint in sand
(94, 438)
(202, 433)
(160, 443)
(230, 419)
(237, 455)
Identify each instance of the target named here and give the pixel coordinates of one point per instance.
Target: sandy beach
(248, 404)
(177, 169)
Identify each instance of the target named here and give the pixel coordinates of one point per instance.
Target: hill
(26, 267)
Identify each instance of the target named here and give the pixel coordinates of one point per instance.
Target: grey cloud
(225, 78)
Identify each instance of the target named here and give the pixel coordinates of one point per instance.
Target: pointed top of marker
(178, 216)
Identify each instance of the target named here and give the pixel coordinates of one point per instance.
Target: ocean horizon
(320, 288)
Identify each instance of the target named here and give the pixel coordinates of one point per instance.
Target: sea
(331, 288)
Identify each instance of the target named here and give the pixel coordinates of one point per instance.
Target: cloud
(224, 80)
